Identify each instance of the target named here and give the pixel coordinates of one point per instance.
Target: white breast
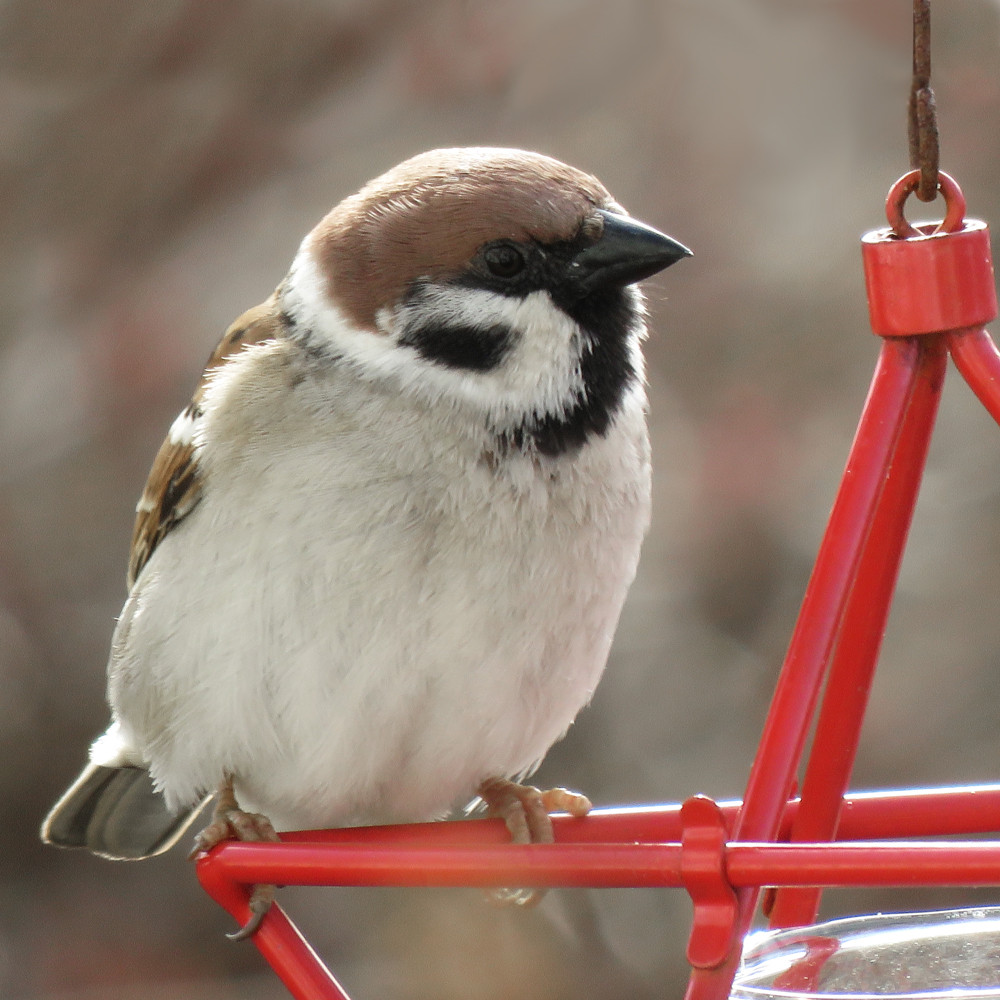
(364, 617)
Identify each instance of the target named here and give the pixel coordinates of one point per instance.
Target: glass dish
(949, 953)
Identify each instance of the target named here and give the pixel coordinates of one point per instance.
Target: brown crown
(428, 216)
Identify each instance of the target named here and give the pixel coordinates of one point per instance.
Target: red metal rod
(820, 618)
(605, 866)
(473, 855)
(278, 940)
(834, 746)
(977, 358)
(852, 864)
(922, 812)
(359, 853)
(492, 865)
(225, 873)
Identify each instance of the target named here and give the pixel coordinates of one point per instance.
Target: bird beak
(626, 252)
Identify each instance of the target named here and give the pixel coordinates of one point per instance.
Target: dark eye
(504, 260)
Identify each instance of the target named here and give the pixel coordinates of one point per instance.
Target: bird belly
(354, 662)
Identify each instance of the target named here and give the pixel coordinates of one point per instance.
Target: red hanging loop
(930, 277)
(953, 198)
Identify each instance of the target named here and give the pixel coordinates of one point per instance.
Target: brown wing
(173, 487)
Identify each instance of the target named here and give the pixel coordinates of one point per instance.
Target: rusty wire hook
(923, 130)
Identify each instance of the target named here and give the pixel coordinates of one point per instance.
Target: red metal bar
(852, 864)
(226, 872)
(821, 615)
(820, 618)
(977, 358)
(602, 866)
(611, 839)
(278, 939)
(484, 865)
(922, 812)
(834, 747)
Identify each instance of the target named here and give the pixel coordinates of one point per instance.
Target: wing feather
(174, 485)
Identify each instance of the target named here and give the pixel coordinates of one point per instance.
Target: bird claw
(230, 822)
(260, 903)
(525, 811)
(563, 800)
(214, 834)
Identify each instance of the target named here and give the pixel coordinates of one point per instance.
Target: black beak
(626, 252)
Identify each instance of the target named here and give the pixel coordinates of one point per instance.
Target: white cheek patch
(540, 369)
(319, 321)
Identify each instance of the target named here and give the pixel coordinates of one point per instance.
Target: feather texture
(115, 812)
(174, 485)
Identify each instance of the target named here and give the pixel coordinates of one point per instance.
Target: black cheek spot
(472, 348)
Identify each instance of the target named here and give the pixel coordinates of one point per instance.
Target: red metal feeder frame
(930, 292)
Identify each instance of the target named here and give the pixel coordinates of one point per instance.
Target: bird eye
(504, 260)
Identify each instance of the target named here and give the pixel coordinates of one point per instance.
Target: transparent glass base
(948, 953)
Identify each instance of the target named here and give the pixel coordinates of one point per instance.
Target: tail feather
(115, 812)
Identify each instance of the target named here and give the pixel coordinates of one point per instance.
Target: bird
(380, 556)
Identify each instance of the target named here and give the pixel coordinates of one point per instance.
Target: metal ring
(954, 200)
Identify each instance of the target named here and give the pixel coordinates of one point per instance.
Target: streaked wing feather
(174, 485)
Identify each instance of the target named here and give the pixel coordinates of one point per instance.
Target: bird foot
(230, 822)
(525, 811)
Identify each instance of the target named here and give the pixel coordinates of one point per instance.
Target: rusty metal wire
(923, 130)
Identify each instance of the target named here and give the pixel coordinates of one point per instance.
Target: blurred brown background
(159, 163)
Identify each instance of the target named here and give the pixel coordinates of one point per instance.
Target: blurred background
(159, 164)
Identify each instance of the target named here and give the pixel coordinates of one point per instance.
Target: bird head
(495, 281)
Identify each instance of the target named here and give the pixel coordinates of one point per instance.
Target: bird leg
(230, 822)
(525, 812)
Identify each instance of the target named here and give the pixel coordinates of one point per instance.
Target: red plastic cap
(928, 278)
(929, 283)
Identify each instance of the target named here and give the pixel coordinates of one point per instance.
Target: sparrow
(380, 557)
